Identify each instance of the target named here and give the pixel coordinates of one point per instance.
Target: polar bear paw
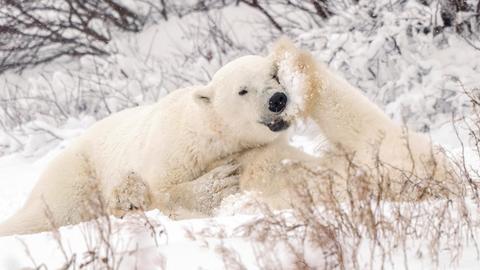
(211, 188)
(205, 193)
(132, 194)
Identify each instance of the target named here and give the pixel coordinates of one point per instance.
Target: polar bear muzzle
(276, 105)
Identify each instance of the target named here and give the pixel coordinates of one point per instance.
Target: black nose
(277, 102)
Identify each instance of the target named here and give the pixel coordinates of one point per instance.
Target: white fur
(157, 155)
(149, 156)
(354, 127)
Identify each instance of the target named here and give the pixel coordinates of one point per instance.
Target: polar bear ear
(203, 96)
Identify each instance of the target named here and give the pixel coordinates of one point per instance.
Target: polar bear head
(246, 97)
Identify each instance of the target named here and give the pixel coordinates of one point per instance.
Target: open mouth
(277, 124)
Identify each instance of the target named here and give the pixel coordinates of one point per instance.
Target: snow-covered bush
(35, 32)
(400, 53)
(367, 230)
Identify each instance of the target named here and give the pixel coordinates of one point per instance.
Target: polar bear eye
(243, 92)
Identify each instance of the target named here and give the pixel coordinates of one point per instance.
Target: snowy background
(60, 73)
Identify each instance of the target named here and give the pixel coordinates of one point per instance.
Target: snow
(184, 244)
(419, 83)
(294, 81)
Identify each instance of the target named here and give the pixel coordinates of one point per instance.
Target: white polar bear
(149, 156)
(363, 140)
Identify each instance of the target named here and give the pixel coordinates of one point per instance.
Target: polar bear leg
(130, 195)
(57, 199)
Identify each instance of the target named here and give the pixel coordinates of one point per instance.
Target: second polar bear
(365, 145)
(151, 156)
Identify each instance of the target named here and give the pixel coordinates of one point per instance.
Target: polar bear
(151, 156)
(364, 144)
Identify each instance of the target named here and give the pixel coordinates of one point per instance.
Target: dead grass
(103, 241)
(367, 229)
(376, 225)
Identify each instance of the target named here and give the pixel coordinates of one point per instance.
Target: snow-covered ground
(381, 47)
(163, 243)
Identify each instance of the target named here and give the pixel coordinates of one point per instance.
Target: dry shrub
(370, 228)
(366, 229)
(106, 241)
(36, 32)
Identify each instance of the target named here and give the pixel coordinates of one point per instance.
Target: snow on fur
(294, 81)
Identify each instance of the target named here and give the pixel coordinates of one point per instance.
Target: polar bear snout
(277, 102)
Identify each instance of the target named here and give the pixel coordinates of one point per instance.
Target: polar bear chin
(276, 124)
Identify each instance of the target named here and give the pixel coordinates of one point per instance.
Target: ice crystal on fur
(294, 82)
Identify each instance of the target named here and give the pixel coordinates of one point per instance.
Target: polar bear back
(132, 140)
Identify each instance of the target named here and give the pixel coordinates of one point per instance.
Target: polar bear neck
(208, 131)
(345, 115)
(187, 149)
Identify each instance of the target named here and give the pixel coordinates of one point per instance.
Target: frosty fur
(154, 156)
(359, 133)
(167, 155)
